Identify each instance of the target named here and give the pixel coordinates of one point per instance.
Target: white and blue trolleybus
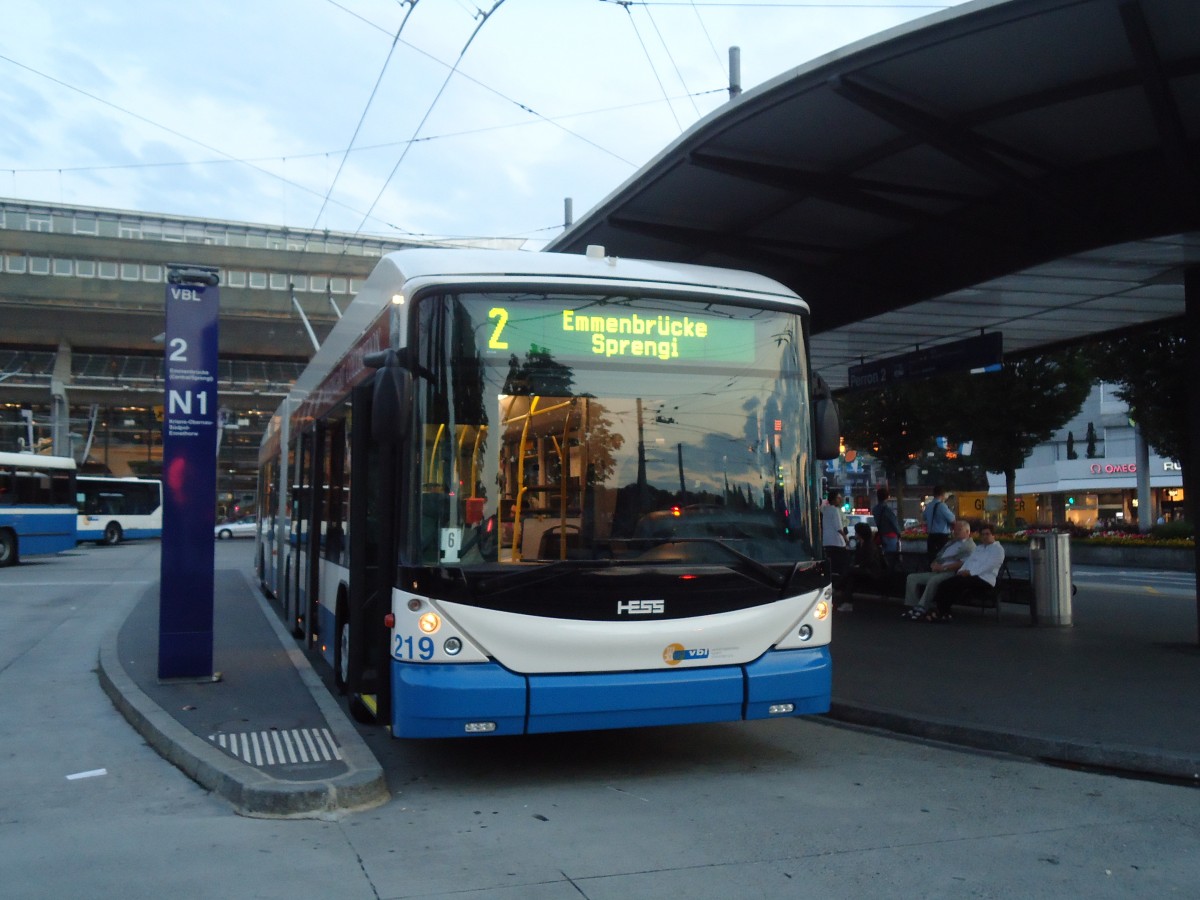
(112, 510)
(532, 492)
(37, 505)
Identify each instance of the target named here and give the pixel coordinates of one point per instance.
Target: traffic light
(1070, 500)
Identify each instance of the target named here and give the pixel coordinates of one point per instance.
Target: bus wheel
(341, 651)
(8, 548)
(112, 534)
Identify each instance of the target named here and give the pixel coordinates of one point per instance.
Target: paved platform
(267, 735)
(1116, 690)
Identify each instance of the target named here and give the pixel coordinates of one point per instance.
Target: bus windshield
(611, 428)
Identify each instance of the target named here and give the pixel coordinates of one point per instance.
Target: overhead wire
(317, 154)
(228, 157)
(251, 161)
(412, 4)
(667, 50)
(704, 28)
(485, 16)
(488, 87)
(650, 60)
(327, 196)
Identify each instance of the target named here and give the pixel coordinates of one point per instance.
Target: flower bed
(1090, 539)
(1130, 539)
(1126, 549)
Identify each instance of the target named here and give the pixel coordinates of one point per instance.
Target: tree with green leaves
(1151, 371)
(1008, 413)
(889, 423)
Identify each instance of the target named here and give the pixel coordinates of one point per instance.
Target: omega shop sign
(1114, 469)
(1169, 465)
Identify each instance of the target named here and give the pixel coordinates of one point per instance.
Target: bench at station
(1012, 586)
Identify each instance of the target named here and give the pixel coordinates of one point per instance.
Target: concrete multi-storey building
(81, 323)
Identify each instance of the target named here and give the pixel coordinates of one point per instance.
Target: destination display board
(567, 329)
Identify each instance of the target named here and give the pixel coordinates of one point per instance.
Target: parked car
(914, 525)
(246, 527)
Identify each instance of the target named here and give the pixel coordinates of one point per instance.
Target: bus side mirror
(827, 424)
(392, 399)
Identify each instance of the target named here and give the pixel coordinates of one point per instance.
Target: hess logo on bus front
(641, 607)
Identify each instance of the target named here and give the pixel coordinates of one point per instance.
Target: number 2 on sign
(500, 314)
(403, 648)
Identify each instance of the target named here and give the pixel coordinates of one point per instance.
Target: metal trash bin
(1050, 578)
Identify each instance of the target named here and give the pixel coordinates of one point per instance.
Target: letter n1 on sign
(185, 602)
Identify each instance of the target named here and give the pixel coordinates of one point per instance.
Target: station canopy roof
(1024, 166)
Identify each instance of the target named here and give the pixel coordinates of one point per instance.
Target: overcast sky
(476, 122)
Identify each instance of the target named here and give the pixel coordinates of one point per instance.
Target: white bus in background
(112, 510)
(36, 513)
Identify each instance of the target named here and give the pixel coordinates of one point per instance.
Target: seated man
(921, 587)
(979, 572)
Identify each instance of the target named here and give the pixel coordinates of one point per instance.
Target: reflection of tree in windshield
(538, 374)
(542, 376)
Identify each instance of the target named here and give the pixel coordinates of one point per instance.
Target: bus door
(264, 540)
(372, 542)
(299, 501)
(317, 476)
(337, 483)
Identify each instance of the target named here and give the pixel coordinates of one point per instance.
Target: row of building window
(19, 264)
(94, 225)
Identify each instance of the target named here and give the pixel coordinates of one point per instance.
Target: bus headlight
(430, 622)
(452, 646)
(821, 610)
(805, 632)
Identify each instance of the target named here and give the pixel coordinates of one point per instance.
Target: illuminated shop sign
(1114, 469)
(1169, 465)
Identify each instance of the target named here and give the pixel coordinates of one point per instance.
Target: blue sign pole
(185, 605)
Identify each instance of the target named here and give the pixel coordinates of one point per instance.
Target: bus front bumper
(458, 700)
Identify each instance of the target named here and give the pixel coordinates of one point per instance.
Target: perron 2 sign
(185, 629)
